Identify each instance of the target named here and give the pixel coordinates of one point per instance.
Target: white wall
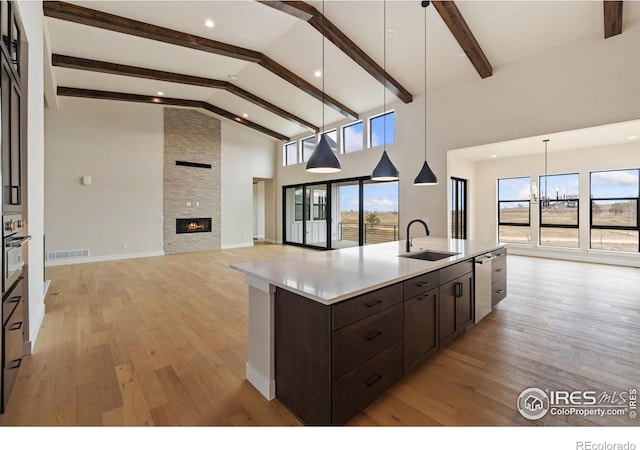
(582, 161)
(585, 83)
(465, 169)
(245, 155)
(33, 21)
(120, 146)
(258, 209)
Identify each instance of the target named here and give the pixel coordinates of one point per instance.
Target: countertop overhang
(331, 276)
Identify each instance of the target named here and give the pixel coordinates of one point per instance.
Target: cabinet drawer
(365, 305)
(8, 306)
(457, 270)
(13, 338)
(356, 389)
(420, 284)
(498, 270)
(8, 380)
(498, 291)
(360, 341)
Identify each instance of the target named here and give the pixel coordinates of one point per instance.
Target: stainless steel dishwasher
(483, 285)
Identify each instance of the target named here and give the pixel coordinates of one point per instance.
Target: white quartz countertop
(331, 276)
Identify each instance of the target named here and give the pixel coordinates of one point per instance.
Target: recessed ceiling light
(494, 156)
(317, 73)
(632, 137)
(232, 77)
(245, 115)
(209, 23)
(391, 31)
(160, 93)
(461, 55)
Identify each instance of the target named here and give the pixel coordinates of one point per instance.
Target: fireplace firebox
(201, 225)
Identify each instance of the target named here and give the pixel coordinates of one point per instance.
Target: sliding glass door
(341, 213)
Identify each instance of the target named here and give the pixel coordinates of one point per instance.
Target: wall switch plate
(188, 203)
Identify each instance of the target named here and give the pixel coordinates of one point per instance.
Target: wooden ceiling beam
(111, 22)
(71, 62)
(119, 96)
(462, 33)
(310, 14)
(612, 18)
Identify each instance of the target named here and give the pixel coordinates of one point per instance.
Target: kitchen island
(330, 331)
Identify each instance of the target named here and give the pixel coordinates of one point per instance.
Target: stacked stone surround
(194, 137)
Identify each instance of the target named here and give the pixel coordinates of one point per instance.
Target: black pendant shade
(323, 159)
(385, 170)
(426, 176)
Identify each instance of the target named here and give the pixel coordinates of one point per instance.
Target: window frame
(302, 141)
(541, 203)
(593, 199)
(515, 224)
(344, 141)
(391, 112)
(286, 153)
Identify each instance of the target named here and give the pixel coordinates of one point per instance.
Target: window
(559, 206)
(514, 213)
(614, 210)
(298, 196)
(458, 208)
(333, 139)
(319, 204)
(290, 153)
(308, 146)
(352, 137)
(382, 129)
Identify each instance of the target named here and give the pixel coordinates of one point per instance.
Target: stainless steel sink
(429, 255)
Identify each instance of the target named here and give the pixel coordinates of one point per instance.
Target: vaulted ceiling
(256, 65)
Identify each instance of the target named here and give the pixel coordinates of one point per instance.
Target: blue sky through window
(615, 184)
(377, 131)
(380, 197)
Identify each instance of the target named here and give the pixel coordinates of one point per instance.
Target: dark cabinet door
(447, 312)
(465, 301)
(456, 307)
(420, 328)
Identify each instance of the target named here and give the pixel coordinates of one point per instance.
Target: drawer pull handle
(14, 364)
(423, 284)
(373, 380)
(499, 291)
(14, 299)
(15, 326)
(498, 270)
(424, 297)
(458, 290)
(372, 303)
(374, 334)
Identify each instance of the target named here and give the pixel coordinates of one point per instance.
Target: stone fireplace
(192, 198)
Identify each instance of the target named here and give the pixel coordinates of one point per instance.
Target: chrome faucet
(426, 228)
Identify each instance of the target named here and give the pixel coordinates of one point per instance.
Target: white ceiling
(506, 30)
(605, 135)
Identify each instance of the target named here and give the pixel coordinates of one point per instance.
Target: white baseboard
(91, 259)
(27, 347)
(263, 384)
(238, 245)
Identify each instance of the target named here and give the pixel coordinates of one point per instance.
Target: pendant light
(544, 198)
(385, 170)
(323, 159)
(426, 176)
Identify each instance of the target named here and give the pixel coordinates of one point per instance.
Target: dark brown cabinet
(420, 319)
(331, 361)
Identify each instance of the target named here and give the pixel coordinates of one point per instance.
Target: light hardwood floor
(163, 341)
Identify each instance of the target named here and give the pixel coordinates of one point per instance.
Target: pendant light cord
(384, 74)
(425, 82)
(546, 191)
(323, 74)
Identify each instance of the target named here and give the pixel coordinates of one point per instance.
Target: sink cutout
(429, 255)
